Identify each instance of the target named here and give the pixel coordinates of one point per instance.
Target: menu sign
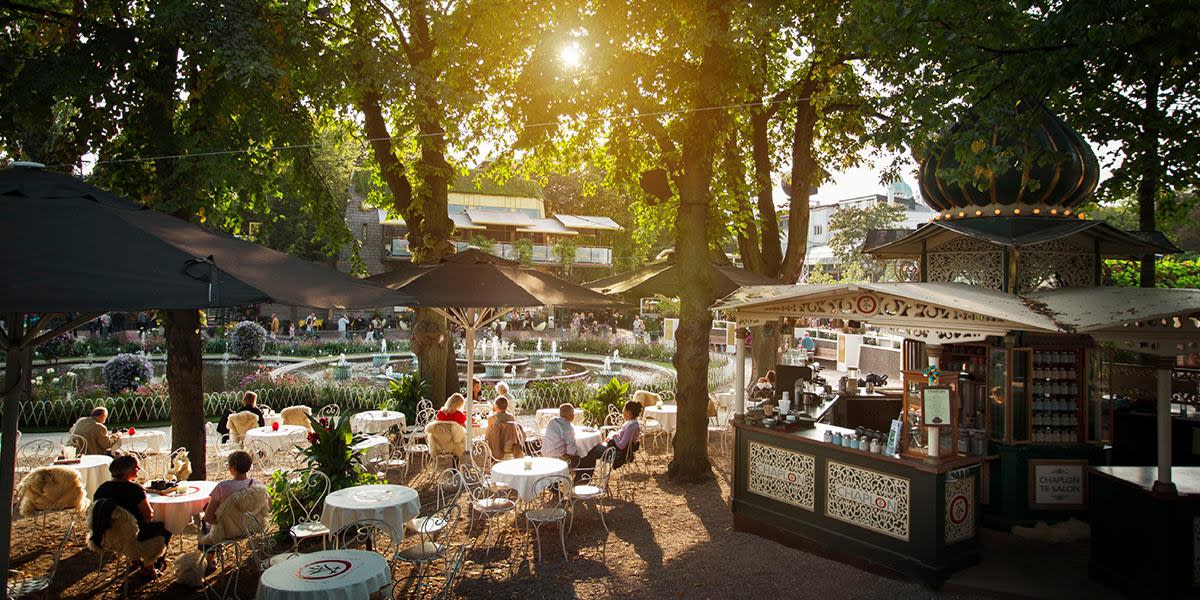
(1057, 484)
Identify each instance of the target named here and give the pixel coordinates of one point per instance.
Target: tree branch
(396, 24)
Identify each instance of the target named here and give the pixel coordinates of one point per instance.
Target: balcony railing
(543, 254)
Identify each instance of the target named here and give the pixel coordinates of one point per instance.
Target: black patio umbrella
(66, 246)
(473, 288)
(662, 277)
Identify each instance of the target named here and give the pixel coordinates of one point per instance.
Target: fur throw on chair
(646, 398)
(231, 514)
(52, 488)
(240, 423)
(446, 437)
(181, 465)
(121, 537)
(296, 415)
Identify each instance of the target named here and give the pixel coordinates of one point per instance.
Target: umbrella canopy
(473, 288)
(662, 277)
(66, 246)
(475, 279)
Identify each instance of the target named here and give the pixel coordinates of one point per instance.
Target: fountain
(607, 373)
(617, 363)
(552, 363)
(535, 359)
(495, 368)
(382, 358)
(341, 368)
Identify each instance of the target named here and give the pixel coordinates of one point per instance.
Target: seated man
(502, 437)
(249, 404)
(91, 428)
(624, 440)
(559, 439)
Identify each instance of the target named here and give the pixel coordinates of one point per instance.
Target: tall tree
(628, 105)
(195, 97)
(1124, 73)
(424, 76)
(848, 229)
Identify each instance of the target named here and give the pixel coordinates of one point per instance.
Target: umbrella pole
(469, 339)
(17, 373)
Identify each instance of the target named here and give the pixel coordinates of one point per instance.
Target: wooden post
(20, 362)
(739, 370)
(1163, 483)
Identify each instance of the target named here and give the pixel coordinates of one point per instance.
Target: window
(818, 229)
(363, 237)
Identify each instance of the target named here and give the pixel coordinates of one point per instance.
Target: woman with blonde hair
(452, 410)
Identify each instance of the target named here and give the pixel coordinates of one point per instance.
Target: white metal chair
(264, 459)
(219, 446)
(21, 585)
(428, 548)
(449, 485)
(593, 486)
(553, 508)
(79, 443)
(370, 534)
(331, 412)
(488, 502)
(305, 494)
(262, 547)
(32, 455)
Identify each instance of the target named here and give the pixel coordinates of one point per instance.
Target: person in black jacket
(249, 404)
(121, 491)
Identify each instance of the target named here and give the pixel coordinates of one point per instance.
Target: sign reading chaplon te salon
(1060, 484)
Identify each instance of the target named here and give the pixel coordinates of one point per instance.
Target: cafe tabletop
(393, 504)
(177, 509)
(327, 575)
(93, 470)
(147, 441)
(278, 439)
(665, 415)
(377, 421)
(514, 474)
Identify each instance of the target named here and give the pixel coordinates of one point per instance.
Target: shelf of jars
(1055, 406)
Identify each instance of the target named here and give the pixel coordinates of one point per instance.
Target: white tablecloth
(513, 473)
(327, 575)
(393, 504)
(93, 469)
(286, 437)
(177, 511)
(272, 418)
(149, 442)
(376, 421)
(665, 415)
(374, 447)
(585, 439)
(543, 416)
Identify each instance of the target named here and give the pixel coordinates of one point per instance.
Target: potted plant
(404, 393)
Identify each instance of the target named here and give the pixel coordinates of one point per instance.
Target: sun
(571, 55)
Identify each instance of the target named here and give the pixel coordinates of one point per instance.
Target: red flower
(324, 422)
(132, 431)
(312, 437)
(275, 426)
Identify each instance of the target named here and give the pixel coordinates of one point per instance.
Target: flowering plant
(248, 340)
(275, 426)
(127, 371)
(330, 450)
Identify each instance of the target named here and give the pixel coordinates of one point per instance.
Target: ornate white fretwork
(782, 475)
(867, 498)
(960, 509)
(936, 336)
(1055, 264)
(967, 260)
(865, 305)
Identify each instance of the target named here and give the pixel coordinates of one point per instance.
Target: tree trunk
(1147, 187)
(17, 371)
(185, 384)
(699, 148)
(764, 347)
(430, 342)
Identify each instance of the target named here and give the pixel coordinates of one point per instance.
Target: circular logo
(324, 569)
(791, 477)
(959, 507)
(866, 305)
(880, 502)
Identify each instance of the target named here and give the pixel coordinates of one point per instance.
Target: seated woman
(127, 494)
(452, 410)
(240, 462)
(502, 437)
(623, 439)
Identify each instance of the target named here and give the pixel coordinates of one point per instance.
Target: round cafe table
(377, 421)
(177, 510)
(392, 504)
(93, 470)
(327, 575)
(285, 437)
(148, 442)
(268, 420)
(665, 415)
(586, 438)
(513, 473)
(543, 416)
(374, 447)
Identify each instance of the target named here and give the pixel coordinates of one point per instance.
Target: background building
(819, 253)
(485, 215)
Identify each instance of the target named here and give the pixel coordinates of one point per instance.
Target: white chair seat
(494, 505)
(418, 448)
(546, 515)
(427, 525)
(314, 528)
(586, 492)
(422, 552)
(23, 587)
(652, 425)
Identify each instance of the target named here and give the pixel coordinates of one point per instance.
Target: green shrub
(404, 393)
(612, 393)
